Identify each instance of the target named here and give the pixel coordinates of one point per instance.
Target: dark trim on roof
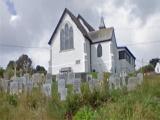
(101, 41)
(124, 47)
(75, 20)
(90, 28)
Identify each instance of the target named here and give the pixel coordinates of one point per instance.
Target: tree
(148, 68)
(10, 65)
(9, 73)
(24, 63)
(40, 69)
(1, 72)
(154, 61)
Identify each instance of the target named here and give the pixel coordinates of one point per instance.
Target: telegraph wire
(43, 47)
(22, 46)
(143, 43)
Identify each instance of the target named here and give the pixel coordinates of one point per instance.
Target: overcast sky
(30, 23)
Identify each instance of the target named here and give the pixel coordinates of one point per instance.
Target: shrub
(12, 99)
(85, 113)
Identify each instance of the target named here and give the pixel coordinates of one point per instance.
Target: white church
(75, 46)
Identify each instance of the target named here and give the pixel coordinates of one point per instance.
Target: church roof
(90, 28)
(101, 35)
(75, 20)
(94, 36)
(124, 47)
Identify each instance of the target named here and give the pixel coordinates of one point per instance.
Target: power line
(21, 46)
(143, 43)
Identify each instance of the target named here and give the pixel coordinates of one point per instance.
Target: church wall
(74, 58)
(101, 64)
(115, 68)
(87, 50)
(125, 67)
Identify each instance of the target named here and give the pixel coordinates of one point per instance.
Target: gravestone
(77, 85)
(38, 79)
(132, 83)
(140, 78)
(29, 86)
(114, 82)
(48, 78)
(5, 85)
(14, 87)
(90, 81)
(63, 94)
(100, 76)
(61, 85)
(71, 77)
(47, 89)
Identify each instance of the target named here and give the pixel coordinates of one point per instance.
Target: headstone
(47, 89)
(48, 78)
(114, 82)
(157, 68)
(90, 81)
(5, 85)
(63, 94)
(100, 76)
(140, 78)
(61, 85)
(38, 79)
(29, 86)
(70, 79)
(77, 85)
(14, 87)
(132, 83)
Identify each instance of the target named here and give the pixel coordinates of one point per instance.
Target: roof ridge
(75, 20)
(90, 28)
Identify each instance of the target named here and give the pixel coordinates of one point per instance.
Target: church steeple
(102, 24)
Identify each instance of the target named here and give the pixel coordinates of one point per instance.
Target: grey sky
(31, 23)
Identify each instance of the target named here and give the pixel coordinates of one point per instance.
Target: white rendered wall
(87, 56)
(61, 59)
(114, 56)
(124, 66)
(101, 64)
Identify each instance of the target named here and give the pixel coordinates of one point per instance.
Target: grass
(140, 104)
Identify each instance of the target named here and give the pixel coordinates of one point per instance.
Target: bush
(12, 99)
(1, 72)
(85, 113)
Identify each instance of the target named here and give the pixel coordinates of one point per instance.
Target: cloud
(11, 7)
(31, 23)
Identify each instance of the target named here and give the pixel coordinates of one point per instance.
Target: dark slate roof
(101, 35)
(90, 28)
(75, 20)
(124, 47)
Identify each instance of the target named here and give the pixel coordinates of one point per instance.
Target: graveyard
(91, 100)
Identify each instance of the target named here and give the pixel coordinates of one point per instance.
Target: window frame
(99, 50)
(67, 38)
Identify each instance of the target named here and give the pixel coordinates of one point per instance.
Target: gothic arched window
(62, 40)
(66, 37)
(99, 50)
(71, 37)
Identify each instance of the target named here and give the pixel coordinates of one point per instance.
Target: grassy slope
(141, 104)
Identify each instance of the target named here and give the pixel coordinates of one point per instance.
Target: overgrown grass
(97, 104)
(141, 104)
